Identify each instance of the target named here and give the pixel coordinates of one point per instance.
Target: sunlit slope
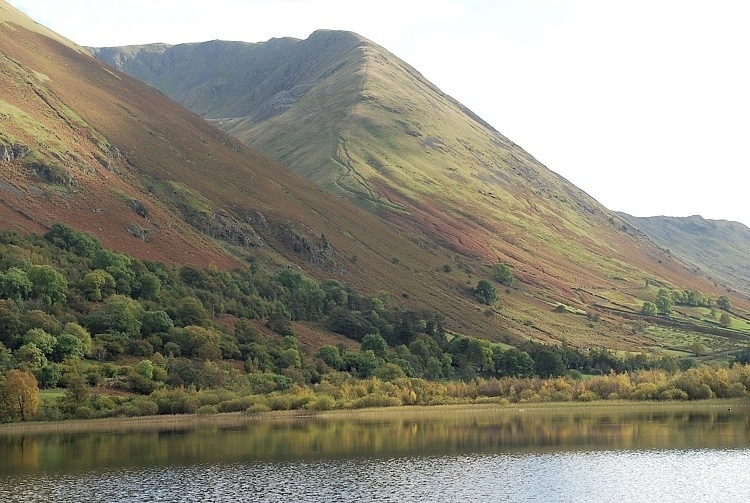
(345, 113)
(103, 152)
(94, 142)
(446, 195)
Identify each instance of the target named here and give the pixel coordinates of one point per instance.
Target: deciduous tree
(19, 396)
(485, 292)
(48, 285)
(724, 303)
(502, 274)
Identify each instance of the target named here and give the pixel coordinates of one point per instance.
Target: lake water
(683, 452)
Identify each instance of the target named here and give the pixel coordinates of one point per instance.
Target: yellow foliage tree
(19, 396)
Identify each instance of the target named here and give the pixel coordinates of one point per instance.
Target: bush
(205, 410)
(321, 402)
(378, 399)
(239, 404)
(257, 408)
(737, 390)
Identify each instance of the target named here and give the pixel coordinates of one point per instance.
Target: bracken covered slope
(447, 196)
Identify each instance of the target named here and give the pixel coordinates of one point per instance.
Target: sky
(643, 104)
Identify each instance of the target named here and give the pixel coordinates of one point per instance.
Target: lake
(613, 452)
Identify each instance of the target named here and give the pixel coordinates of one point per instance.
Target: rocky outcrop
(222, 226)
(12, 152)
(320, 254)
(141, 232)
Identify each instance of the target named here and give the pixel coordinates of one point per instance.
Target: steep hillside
(718, 248)
(447, 196)
(345, 113)
(106, 154)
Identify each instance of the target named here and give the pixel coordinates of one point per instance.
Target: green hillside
(350, 116)
(447, 197)
(718, 249)
(422, 257)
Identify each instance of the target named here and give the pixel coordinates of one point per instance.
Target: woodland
(86, 332)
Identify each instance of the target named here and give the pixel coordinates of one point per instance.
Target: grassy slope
(72, 111)
(347, 114)
(718, 248)
(452, 190)
(355, 119)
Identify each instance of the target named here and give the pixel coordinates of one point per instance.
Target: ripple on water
(623, 476)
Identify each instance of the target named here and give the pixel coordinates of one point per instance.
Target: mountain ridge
(447, 197)
(395, 153)
(718, 248)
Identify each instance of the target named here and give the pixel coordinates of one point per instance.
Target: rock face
(12, 152)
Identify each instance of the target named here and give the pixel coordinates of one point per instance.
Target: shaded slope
(718, 248)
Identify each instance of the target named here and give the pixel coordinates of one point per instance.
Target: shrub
(205, 410)
(257, 408)
(321, 402)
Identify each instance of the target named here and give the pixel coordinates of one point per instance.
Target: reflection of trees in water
(439, 432)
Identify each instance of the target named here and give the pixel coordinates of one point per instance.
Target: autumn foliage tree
(19, 396)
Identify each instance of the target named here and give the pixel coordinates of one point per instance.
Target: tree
(10, 324)
(331, 356)
(376, 343)
(154, 322)
(512, 362)
(69, 346)
(389, 372)
(6, 358)
(39, 319)
(119, 266)
(30, 357)
(148, 286)
(80, 333)
(725, 320)
(548, 362)
(76, 392)
(664, 302)
(146, 369)
(190, 311)
(15, 284)
(81, 243)
(724, 303)
(97, 284)
(363, 363)
(119, 314)
(649, 309)
(485, 292)
(502, 274)
(19, 396)
(48, 285)
(289, 358)
(41, 339)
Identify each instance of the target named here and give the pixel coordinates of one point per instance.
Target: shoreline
(181, 422)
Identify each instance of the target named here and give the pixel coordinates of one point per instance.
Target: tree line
(76, 315)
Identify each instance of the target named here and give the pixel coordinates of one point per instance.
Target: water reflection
(419, 432)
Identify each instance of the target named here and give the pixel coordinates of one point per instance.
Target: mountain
(719, 249)
(413, 195)
(350, 116)
(104, 153)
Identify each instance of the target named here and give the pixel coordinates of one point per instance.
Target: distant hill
(717, 248)
(414, 195)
